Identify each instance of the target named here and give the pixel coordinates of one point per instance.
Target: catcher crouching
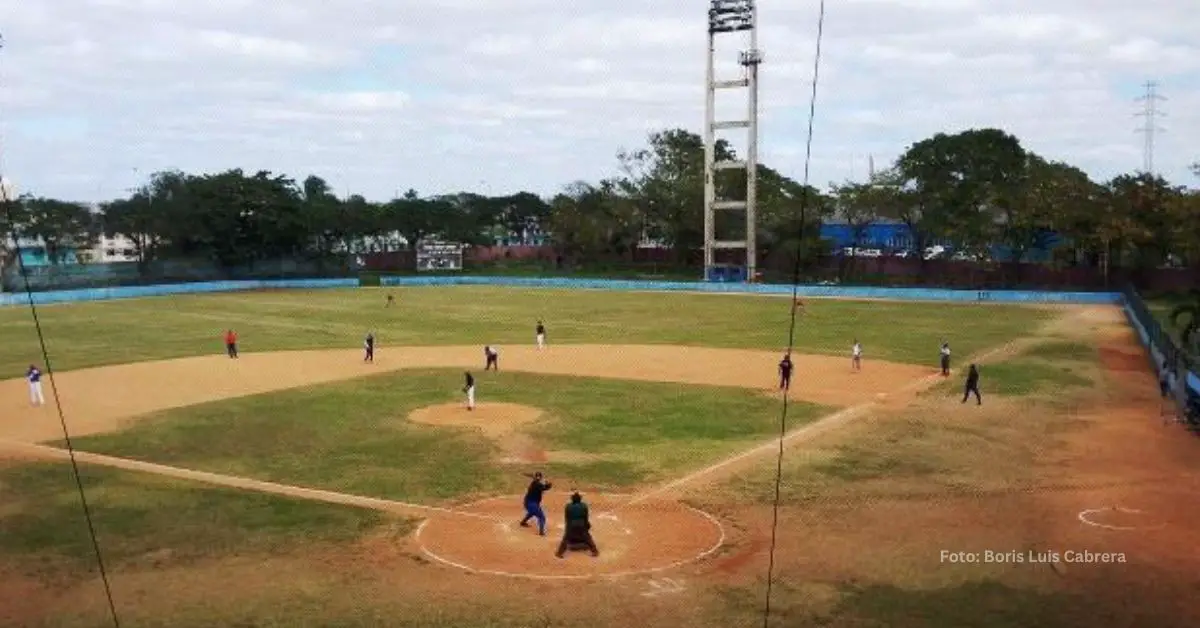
(578, 533)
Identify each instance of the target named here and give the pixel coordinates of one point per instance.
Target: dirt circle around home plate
(633, 538)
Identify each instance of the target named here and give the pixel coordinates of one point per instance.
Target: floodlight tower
(738, 17)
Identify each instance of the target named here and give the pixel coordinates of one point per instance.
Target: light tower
(740, 18)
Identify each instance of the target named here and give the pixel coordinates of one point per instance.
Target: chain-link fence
(1174, 362)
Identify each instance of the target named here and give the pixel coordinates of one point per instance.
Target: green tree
(324, 217)
(60, 226)
(12, 223)
(594, 222)
(665, 181)
(1148, 205)
(1186, 318)
(412, 216)
(958, 185)
(147, 217)
(522, 212)
(789, 220)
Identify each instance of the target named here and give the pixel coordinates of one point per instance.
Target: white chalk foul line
(231, 481)
(821, 423)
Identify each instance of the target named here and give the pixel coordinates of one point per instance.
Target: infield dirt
(1121, 456)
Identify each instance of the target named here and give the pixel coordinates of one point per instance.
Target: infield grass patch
(120, 331)
(352, 436)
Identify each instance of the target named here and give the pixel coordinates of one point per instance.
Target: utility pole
(1150, 126)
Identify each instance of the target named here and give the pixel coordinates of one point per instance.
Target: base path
(104, 399)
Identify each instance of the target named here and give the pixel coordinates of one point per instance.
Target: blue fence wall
(900, 294)
(135, 292)
(1190, 379)
(846, 292)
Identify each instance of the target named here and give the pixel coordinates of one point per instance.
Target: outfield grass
(144, 519)
(981, 604)
(352, 436)
(940, 445)
(1056, 368)
(120, 331)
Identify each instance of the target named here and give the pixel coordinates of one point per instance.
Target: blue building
(894, 236)
(888, 235)
(33, 254)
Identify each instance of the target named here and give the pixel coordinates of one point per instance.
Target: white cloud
(443, 94)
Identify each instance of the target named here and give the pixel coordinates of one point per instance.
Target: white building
(115, 249)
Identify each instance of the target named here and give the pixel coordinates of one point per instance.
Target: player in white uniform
(856, 355)
(34, 376)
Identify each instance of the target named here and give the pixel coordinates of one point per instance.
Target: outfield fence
(1164, 351)
(844, 292)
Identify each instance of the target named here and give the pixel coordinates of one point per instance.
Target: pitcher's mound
(495, 419)
(633, 539)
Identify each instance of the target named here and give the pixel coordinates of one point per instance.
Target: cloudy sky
(500, 95)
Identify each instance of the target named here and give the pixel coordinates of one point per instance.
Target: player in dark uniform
(972, 386)
(369, 348)
(533, 502)
(391, 300)
(578, 530)
(785, 372)
(493, 358)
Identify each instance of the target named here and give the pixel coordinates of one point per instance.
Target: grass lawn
(352, 436)
(140, 517)
(110, 332)
(940, 445)
(979, 604)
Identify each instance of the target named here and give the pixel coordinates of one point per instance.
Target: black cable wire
(804, 201)
(62, 419)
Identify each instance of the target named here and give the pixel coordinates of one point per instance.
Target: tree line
(976, 188)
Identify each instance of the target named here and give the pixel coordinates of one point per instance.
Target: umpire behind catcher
(578, 528)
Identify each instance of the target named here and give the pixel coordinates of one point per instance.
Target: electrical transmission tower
(1149, 128)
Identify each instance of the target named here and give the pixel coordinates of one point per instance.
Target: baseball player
(231, 343)
(369, 348)
(945, 359)
(856, 355)
(785, 372)
(541, 336)
(533, 502)
(972, 386)
(391, 300)
(34, 375)
(493, 358)
(578, 530)
(469, 389)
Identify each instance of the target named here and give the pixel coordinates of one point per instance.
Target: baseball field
(298, 485)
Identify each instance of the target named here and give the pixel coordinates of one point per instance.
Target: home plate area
(633, 538)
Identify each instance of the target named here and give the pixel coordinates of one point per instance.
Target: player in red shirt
(231, 343)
